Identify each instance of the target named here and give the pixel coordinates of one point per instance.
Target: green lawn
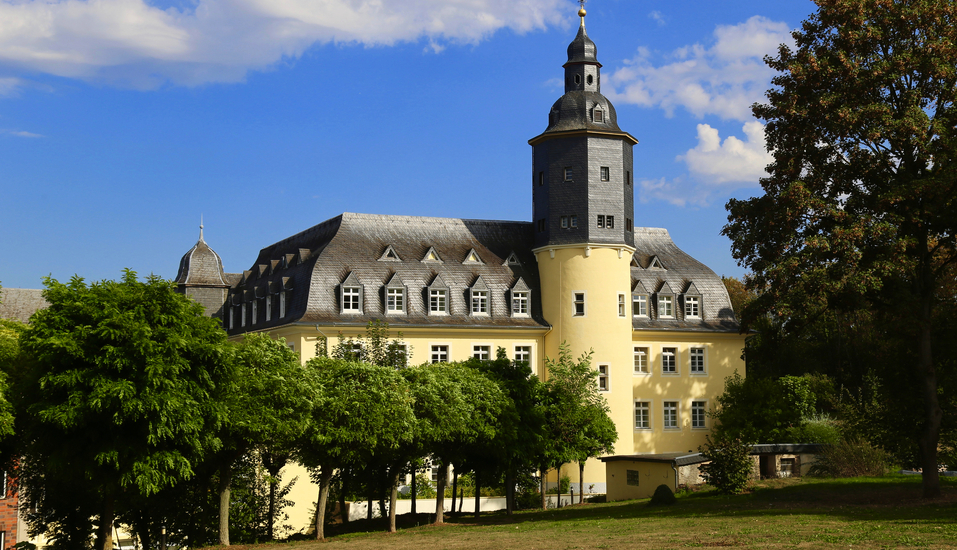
(794, 513)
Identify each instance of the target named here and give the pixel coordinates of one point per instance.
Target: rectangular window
(697, 414)
(669, 364)
(642, 415)
(350, 299)
(354, 351)
(541, 225)
(605, 173)
(628, 225)
(610, 222)
(268, 308)
(541, 179)
(523, 354)
(282, 305)
(665, 309)
(697, 360)
(395, 300)
(519, 303)
(627, 177)
(440, 354)
(573, 221)
(242, 316)
(632, 477)
(671, 415)
(437, 302)
(599, 114)
(481, 352)
(603, 377)
(232, 317)
(579, 304)
(254, 316)
(479, 302)
(692, 309)
(621, 305)
(639, 305)
(601, 221)
(564, 221)
(641, 360)
(568, 173)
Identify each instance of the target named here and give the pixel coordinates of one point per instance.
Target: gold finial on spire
(581, 12)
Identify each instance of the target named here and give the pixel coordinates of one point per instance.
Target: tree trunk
(393, 496)
(581, 481)
(225, 480)
(414, 489)
(932, 413)
(558, 476)
(478, 494)
(369, 506)
(325, 479)
(541, 482)
(273, 464)
(104, 531)
(455, 485)
(440, 484)
(461, 498)
(509, 491)
(343, 513)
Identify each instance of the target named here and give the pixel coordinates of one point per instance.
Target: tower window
(579, 304)
(610, 222)
(598, 114)
(628, 225)
(601, 221)
(568, 173)
(541, 225)
(564, 221)
(605, 172)
(628, 177)
(589, 79)
(541, 179)
(573, 221)
(578, 79)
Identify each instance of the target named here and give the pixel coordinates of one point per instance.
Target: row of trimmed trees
(124, 404)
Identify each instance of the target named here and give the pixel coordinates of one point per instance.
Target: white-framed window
(605, 172)
(268, 308)
(578, 304)
(282, 305)
(482, 352)
(401, 350)
(350, 300)
(642, 415)
(354, 351)
(242, 315)
(639, 305)
(698, 410)
(641, 360)
(692, 307)
(573, 221)
(519, 303)
(291, 345)
(669, 411)
(621, 305)
(479, 302)
(569, 174)
(666, 307)
(232, 317)
(601, 221)
(610, 222)
(669, 360)
(4, 490)
(395, 300)
(604, 377)
(523, 354)
(697, 365)
(255, 312)
(440, 353)
(438, 301)
(564, 222)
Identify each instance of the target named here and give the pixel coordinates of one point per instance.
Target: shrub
(818, 429)
(730, 468)
(851, 458)
(663, 496)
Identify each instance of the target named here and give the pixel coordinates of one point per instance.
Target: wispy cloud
(136, 43)
(21, 133)
(658, 17)
(722, 79)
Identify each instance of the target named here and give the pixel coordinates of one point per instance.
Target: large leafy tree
(859, 206)
(120, 398)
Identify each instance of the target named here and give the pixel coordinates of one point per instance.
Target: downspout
(673, 467)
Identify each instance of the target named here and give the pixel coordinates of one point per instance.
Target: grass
(884, 512)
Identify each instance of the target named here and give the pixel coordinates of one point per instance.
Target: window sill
(671, 374)
(641, 430)
(699, 374)
(642, 374)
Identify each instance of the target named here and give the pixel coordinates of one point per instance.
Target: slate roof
(314, 263)
(679, 271)
(201, 266)
(20, 303)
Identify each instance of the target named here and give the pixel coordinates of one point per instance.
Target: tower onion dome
(200, 266)
(582, 107)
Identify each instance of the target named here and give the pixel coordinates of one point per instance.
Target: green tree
(763, 410)
(729, 464)
(361, 411)
(121, 397)
(269, 403)
(859, 207)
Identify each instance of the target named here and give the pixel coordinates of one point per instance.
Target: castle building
(659, 323)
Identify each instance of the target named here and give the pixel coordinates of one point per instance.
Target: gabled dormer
(639, 300)
(351, 296)
(395, 296)
(512, 260)
(431, 256)
(472, 258)
(437, 296)
(692, 305)
(665, 299)
(390, 255)
(521, 299)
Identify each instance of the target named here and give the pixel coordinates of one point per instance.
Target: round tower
(583, 205)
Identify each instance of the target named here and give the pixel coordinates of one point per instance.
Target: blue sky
(124, 121)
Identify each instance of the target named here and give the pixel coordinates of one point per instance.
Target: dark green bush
(851, 458)
(663, 496)
(730, 466)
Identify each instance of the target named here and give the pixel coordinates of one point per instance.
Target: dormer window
(438, 297)
(350, 294)
(598, 115)
(472, 258)
(395, 300)
(692, 305)
(479, 297)
(666, 307)
(520, 299)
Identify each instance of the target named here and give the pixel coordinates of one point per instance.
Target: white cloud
(134, 42)
(732, 161)
(10, 86)
(21, 133)
(658, 17)
(723, 79)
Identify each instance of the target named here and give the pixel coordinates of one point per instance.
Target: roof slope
(20, 303)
